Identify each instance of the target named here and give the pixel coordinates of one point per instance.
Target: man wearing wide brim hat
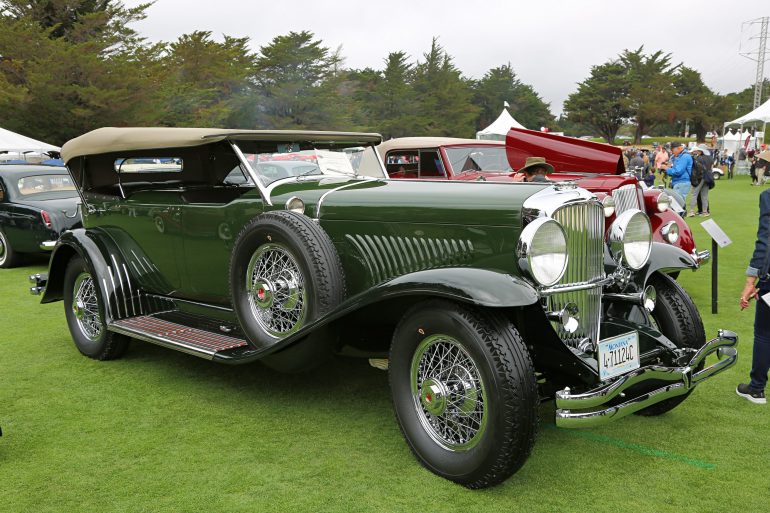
(762, 167)
(535, 169)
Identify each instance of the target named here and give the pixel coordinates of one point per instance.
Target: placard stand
(719, 239)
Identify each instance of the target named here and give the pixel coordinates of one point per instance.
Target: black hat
(676, 144)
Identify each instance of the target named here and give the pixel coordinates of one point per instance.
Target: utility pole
(759, 55)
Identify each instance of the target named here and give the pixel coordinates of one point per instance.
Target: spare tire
(284, 274)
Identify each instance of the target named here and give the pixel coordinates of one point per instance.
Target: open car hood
(565, 154)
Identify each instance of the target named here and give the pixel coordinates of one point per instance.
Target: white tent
(499, 128)
(760, 115)
(12, 143)
(732, 141)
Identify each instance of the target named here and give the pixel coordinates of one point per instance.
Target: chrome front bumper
(587, 409)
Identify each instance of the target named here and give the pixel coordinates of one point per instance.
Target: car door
(211, 220)
(146, 222)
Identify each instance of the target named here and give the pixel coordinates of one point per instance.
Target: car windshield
(289, 161)
(54, 186)
(486, 159)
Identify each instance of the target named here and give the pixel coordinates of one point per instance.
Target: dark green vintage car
(286, 247)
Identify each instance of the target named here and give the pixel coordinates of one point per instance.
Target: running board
(194, 341)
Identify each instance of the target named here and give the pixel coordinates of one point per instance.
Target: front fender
(667, 258)
(686, 241)
(476, 286)
(467, 285)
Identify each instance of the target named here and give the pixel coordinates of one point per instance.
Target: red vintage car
(594, 166)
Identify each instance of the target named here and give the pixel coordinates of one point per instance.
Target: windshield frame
(368, 151)
(456, 170)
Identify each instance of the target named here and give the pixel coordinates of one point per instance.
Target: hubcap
(276, 290)
(2, 248)
(85, 306)
(449, 395)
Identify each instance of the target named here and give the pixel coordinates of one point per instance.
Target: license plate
(618, 355)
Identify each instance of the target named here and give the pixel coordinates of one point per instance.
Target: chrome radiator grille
(626, 198)
(583, 224)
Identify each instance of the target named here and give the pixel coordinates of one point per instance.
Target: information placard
(716, 233)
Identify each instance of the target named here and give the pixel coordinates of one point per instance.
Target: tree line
(69, 66)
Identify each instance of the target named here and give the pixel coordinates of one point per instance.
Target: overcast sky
(551, 44)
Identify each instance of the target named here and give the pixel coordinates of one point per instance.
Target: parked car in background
(479, 298)
(37, 204)
(594, 166)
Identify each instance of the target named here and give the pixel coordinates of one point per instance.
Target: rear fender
(114, 278)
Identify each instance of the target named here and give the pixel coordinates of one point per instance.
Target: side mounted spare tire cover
(284, 274)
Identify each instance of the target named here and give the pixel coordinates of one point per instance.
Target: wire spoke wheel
(276, 290)
(3, 250)
(448, 393)
(85, 306)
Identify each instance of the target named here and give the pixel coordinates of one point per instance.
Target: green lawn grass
(162, 431)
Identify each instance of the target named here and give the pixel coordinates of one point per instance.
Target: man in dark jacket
(702, 179)
(758, 287)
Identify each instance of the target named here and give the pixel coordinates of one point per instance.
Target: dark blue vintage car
(37, 203)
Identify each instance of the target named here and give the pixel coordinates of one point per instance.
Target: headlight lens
(609, 205)
(542, 251)
(664, 202)
(631, 238)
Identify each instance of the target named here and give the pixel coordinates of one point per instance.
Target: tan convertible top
(108, 140)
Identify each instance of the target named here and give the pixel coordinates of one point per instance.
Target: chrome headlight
(542, 251)
(609, 205)
(670, 232)
(631, 239)
(295, 205)
(664, 202)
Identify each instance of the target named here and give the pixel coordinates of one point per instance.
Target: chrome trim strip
(323, 197)
(47, 245)
(575, 287)
(107, 298)
(130, 288)
(637, 297)
(251, 172)
(114, 291)
(120, 279)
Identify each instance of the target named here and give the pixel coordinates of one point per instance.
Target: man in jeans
(758, 286)
(679, 169)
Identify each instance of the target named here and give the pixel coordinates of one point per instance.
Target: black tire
(496, 365)
(677, 317)
(301, 283)
(84, 310)
(8, 257)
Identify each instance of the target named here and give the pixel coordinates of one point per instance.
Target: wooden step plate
(176, 336)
